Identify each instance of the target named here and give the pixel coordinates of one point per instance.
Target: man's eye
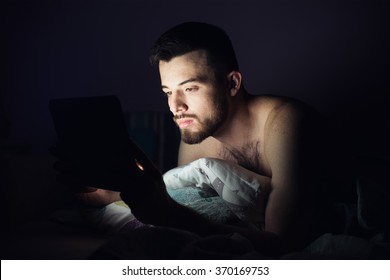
(168, 93)
(191, 89)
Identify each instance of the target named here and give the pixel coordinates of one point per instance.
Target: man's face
(198, 103)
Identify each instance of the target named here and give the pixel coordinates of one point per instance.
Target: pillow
(239, 188)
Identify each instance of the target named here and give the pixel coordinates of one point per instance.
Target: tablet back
(89, 123)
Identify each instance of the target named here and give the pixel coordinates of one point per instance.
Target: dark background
(331, 54)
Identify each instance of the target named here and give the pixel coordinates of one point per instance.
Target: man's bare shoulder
(271, 102)
(271, 109)
(280, 116)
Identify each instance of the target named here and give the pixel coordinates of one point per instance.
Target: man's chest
(250, 156)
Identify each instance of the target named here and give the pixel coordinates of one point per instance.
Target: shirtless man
(277, 138)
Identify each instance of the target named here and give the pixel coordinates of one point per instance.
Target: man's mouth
(184, 123)
(185, 120)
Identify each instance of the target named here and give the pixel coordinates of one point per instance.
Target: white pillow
(238, 187)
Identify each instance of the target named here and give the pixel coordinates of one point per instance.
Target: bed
(227, 193)
(41, 221)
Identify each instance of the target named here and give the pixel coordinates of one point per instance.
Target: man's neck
(238, 127)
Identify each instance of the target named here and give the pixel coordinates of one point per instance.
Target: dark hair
(192, 36)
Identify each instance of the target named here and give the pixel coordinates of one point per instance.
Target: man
(279, 139)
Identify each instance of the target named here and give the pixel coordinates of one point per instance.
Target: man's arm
(291, 145)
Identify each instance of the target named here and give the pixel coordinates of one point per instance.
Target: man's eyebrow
(196, 79)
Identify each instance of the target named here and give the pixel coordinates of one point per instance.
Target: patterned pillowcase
(239, 188)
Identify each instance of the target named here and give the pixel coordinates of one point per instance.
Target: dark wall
(330, 54)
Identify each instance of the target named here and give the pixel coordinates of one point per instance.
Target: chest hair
(248, 157)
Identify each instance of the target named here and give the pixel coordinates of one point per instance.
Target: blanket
(228, 193)
(220, 190)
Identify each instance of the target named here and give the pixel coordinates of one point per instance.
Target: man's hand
(133, 175)
(97, 197)
(68, 176)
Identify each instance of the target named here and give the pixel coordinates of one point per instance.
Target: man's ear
(235, 80)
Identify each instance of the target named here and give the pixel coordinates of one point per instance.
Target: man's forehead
(197, 56)
(188, 66)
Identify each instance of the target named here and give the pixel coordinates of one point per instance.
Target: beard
(209, 125)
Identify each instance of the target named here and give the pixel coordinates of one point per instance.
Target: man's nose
(177, 103)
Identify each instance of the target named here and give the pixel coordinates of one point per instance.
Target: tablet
(92, 134)
(87, 122)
